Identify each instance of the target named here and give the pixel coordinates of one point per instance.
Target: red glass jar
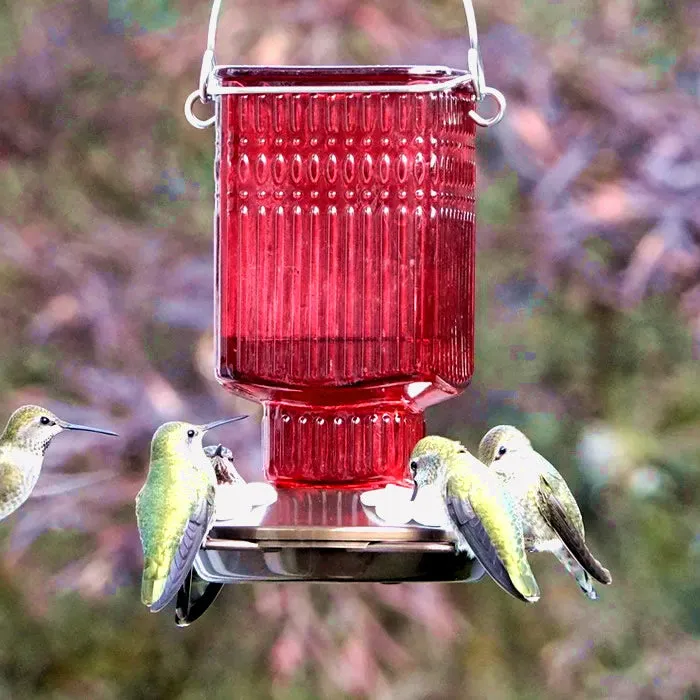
(345, 264)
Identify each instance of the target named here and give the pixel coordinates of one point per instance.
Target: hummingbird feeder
(344, 232)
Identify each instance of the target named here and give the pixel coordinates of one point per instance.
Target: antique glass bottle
(345, 264)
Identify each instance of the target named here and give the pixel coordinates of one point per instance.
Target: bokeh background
(588, 338)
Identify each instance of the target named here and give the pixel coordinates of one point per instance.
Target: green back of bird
(469, 478)
(172, 492)
(19, 471)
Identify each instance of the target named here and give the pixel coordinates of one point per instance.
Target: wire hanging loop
(208, 61)
(191, 117)
(473, 75)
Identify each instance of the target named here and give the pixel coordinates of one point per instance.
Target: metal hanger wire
(211, 88)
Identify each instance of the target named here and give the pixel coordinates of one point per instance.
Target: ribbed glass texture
(345, 230)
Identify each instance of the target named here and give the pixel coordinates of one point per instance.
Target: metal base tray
(328, 535)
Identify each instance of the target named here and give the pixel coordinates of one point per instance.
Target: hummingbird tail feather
(586, 585)
(573, 540)
(470, 526)
(577, 571)
(194, 598)
(151, 590)
(580, 552)
(527, 585)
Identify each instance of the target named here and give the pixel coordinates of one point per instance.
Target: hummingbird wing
(561, 490)
(193, 535)
(482, 531)
(12, 487)
(559, 519)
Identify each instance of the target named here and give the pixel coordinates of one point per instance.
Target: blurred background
(588, 338)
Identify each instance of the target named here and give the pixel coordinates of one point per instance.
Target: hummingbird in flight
(175, 508)
(478, 511)
(551, 517)
(23, 444)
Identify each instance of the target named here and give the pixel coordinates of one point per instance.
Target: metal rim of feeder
(331, 534)
(210, 87)
(328, 535)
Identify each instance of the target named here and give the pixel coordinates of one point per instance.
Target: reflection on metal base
(328, 535)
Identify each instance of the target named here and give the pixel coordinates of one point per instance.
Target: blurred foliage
(588, 336)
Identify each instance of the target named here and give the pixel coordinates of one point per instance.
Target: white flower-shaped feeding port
(392, 505)
(243, 504)
(237, 502)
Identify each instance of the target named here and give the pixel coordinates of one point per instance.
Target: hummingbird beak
(86, 428)
(415, 491)
(217, 423)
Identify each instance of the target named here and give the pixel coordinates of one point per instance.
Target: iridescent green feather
(560, 490)
(12, 485)
(174, 491)
(469, 478)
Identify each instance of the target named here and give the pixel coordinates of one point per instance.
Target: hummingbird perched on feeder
(196, 595)
(175, 508)
(224, 468)
(479, 512)
(23, 443)
(551, 518)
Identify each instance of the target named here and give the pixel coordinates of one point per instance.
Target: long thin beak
(217, 423)
(86, 428)
(415, 491)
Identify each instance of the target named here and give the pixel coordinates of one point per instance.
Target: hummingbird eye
(190, 433)
(414, 467)
(502, 450)
(45, 420)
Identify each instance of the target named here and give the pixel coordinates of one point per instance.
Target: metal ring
(192, 118)
(500, 99)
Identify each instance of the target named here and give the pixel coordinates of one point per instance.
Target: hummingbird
(552, 521)
(196, 595)
(23, 443)
(224, 468)
(478, 511)
(175, 508)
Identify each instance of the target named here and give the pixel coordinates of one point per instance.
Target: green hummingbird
(175, 508)
(551, 518)
(196, 595)
(478, 511)
(23, 443)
